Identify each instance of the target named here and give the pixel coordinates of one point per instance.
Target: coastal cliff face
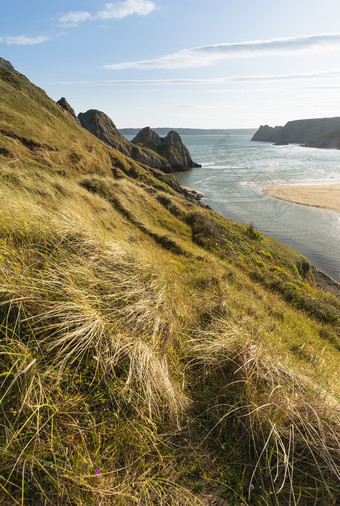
(100, 125)
(329, 141)
(170, 147)
(267, 134)
(167, 154)
(319, 132)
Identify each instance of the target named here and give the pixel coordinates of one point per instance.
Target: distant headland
(315, 133)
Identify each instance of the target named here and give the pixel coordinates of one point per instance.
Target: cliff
(100, 125)
(319, 132)
(170, 147)
(328, 141)
(267, 134)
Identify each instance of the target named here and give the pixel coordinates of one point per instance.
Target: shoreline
(323, 280)
(322, 196)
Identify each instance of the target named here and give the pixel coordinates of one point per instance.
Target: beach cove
(324, 196)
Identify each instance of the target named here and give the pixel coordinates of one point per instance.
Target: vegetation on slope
(152, 352)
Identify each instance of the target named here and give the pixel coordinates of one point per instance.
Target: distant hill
(318, 132)
(193, 131)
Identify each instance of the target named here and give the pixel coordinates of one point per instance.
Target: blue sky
(189, 63)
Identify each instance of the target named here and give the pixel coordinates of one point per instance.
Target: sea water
(234, 172)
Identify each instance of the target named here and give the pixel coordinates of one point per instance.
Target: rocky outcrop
(148, 138)
(318, 132)
(170, 147)
(66, 106)
(7, 65)
(267, 134)
(100, 125)
(168, 154)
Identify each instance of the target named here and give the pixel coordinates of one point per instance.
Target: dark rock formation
(329, 141)
(168, 154)
(170, 147)
(267, 134)
(100, 125)
(7, 65)
(319, 132)
(66, 106)
(148, 138)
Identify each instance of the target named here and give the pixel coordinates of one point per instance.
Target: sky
(181, 63)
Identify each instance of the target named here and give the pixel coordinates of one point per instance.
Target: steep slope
(170, 147)
(305, 131)
(152, 352)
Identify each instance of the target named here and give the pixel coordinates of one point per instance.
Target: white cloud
(208, 55)
(120, 82)
(1, 39)
(114, 10)
(71, 19)
(325, 74)
(119, 10)
(279, 88)
(22, 40)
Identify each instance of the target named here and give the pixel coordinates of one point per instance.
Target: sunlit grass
(152, 352)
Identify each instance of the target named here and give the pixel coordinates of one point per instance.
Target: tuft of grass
(285, 424)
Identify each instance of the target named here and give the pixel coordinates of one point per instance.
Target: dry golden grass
(151, 352)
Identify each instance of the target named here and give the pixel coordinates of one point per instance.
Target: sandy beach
(325, 196)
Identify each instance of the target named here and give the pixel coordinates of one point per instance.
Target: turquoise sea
(234, 172)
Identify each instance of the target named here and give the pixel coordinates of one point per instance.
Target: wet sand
(325, 196)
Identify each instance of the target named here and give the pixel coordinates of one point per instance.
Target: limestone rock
(66, 106)
(170, 147)
(100, 125)
(7, 65)
(147, 138)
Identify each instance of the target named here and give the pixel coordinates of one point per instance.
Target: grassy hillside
(152, 351)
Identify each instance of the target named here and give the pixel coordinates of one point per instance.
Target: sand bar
(325, 196)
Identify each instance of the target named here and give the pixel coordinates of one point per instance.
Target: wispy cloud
(72, 19)
(22, 40)
(219, 80)
(275, 89)
(114, 10)
(137, 82)
(208, 55)
(119, 10)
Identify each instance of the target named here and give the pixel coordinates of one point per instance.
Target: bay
(234, 172)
